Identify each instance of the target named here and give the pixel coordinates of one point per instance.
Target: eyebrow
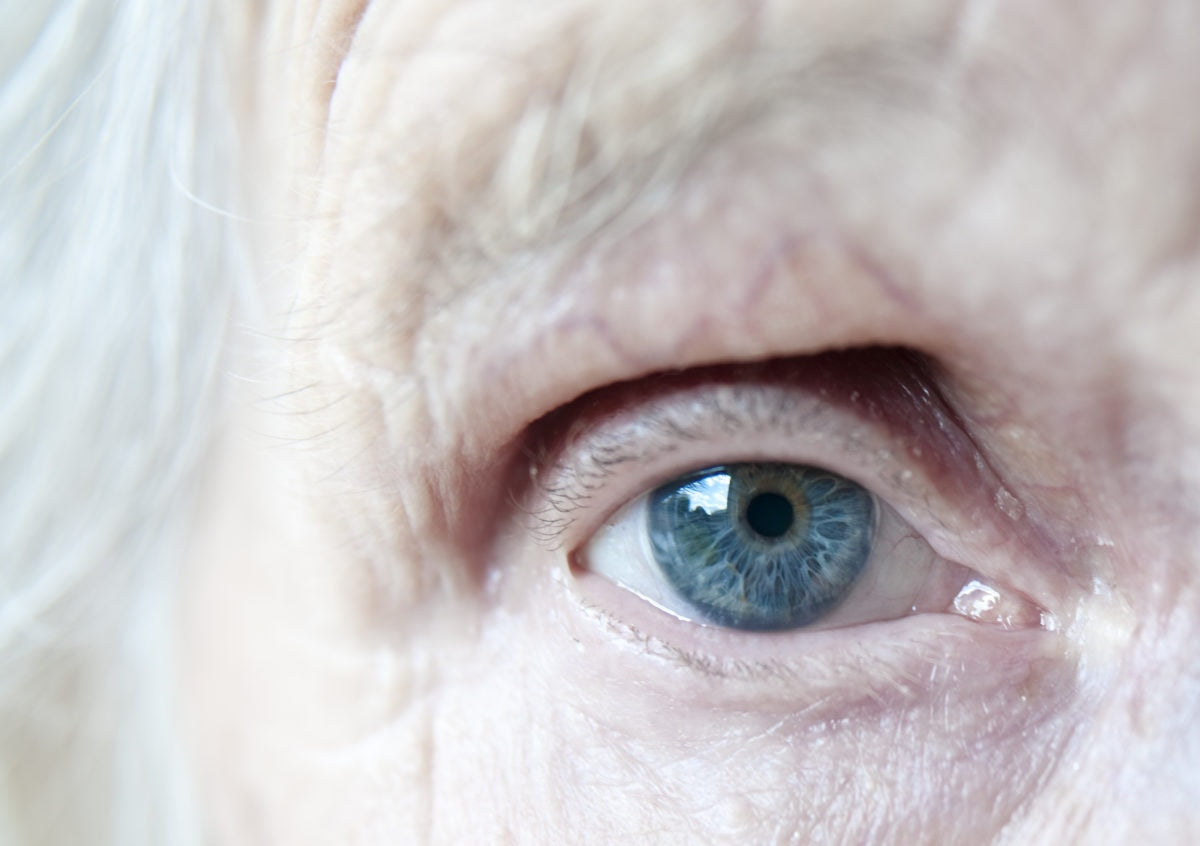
(593, 120)
(464, 162)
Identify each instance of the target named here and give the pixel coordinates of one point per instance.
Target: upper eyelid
(658, 428)
(568, 477)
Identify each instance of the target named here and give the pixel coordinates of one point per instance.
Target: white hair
(116, 147)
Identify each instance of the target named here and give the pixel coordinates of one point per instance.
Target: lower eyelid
(831, 673)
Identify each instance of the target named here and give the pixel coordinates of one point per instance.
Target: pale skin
(395, 630)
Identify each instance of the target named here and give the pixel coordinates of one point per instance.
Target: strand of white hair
(116, 145)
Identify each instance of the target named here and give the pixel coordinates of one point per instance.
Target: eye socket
(759, 546)
(620, 488)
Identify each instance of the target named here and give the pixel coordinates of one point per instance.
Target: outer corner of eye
(760, 546)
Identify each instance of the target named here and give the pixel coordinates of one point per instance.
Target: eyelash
(657, 431)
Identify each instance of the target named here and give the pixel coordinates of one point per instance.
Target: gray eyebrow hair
(579, 166)
(594, 139)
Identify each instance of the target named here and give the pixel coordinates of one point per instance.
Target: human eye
(785, 497)
(749, 545)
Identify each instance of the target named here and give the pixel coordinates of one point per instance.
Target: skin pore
(948, 250)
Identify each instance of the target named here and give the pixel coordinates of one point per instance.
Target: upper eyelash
(563, 487)
(571, 490)
(567, 486)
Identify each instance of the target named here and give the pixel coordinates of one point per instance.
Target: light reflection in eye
(709, 493)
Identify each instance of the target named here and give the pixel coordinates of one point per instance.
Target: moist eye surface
(761, 546)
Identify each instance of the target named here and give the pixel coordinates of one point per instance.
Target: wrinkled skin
(392, 631)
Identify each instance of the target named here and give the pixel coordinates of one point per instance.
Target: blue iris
(761, 546)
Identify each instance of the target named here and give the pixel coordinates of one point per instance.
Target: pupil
(770, 514)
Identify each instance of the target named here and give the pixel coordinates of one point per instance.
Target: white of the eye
(620, 552)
